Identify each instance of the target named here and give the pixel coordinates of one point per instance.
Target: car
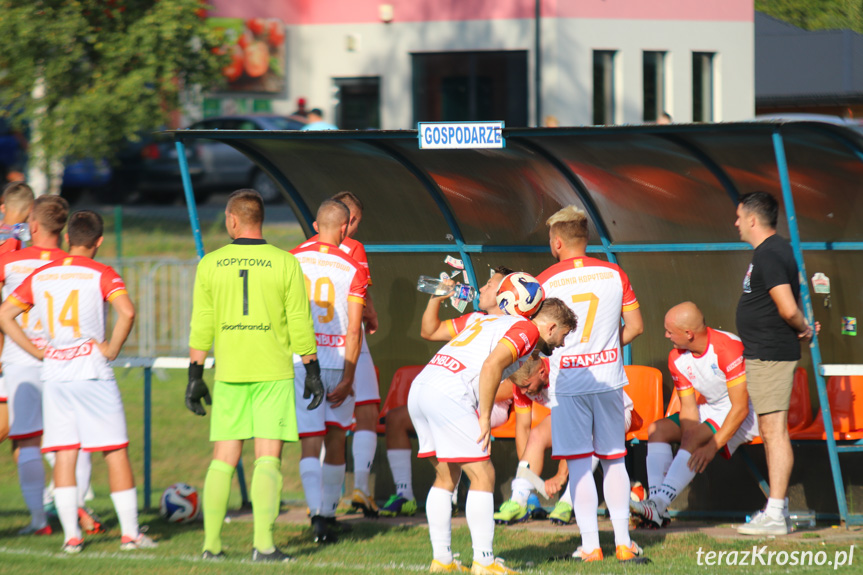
(148, 170)
(225, 168)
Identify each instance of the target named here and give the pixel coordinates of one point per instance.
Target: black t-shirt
(765, 335)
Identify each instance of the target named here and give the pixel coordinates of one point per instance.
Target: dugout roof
(661, 199)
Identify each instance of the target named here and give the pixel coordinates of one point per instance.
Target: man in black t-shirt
(771, 325)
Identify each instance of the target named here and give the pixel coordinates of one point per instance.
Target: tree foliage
(816, 14)
(107, 70)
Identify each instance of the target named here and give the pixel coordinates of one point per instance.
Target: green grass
(181, 452)
(146, 237)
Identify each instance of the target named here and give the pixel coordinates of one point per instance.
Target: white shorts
(447, 427)
(500, 412)
(24, 385)
(366, 381)
(3, 395)
(586, 425)
(315, 422)
(84, 415)
(715, 416)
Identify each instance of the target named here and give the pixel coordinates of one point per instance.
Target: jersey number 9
(323, 297)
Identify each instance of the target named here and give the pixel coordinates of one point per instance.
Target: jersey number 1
(245, 275)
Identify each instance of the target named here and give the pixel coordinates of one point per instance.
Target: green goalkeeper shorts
(263, 410)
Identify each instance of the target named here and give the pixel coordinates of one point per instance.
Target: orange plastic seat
(845, 395)
(645, 390)
(397, 395)
(506, 430)
(800, 408)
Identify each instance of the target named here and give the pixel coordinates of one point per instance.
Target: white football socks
(479, 512)
(566, 495)
(332, 479)
(83, 468)
(31, 478)
(364, 446)
(585, 502)
(521, 489)
(615, 487)
(439, 516)
(65, 500)
(679, 475)
(400, 466)
(126, 505)
(659, 458)
(310, 475)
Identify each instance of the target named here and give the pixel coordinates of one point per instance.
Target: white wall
(317, 54)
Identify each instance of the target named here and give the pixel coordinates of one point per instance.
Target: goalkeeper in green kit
(250, 303)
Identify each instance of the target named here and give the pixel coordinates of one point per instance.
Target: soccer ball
(520, 294)
(180, 504)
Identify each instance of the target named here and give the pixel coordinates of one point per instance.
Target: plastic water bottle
(436, 286)
(804, 518)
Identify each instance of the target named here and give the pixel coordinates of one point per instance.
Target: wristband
(196, 370)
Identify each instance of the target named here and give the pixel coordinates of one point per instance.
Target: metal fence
(161, 290)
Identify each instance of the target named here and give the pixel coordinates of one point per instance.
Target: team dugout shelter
(661, 202)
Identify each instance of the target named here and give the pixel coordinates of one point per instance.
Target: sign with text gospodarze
(460, 135)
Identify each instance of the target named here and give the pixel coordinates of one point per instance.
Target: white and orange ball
(520, 294)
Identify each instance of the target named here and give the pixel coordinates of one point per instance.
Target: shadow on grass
(554, 550)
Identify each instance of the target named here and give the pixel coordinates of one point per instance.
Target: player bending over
(81, 402)
(530, 386)
(710, 362)
(451, 403)
(398, 421)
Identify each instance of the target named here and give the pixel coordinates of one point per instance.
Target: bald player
(336, 285)
(710, 362)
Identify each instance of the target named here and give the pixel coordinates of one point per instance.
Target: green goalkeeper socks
(217, 489)
(266, 489)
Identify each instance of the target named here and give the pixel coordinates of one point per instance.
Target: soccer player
(15, 205)
(22, 371)
(250, 305)
(531, 386)
(336, 284)
(398, 421)
(82, 408)
(587, 379)
(771, 326)
(451, 402)
(366, 388)
(710, 362)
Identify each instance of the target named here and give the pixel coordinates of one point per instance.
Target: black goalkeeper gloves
(314, 387)
(197, 390)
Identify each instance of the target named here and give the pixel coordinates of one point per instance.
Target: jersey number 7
(591, 313)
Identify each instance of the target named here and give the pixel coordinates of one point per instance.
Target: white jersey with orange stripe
(455, 368)
(332, 280)
(720, 367)
(68, 297)
(598, 292)
(14, 269)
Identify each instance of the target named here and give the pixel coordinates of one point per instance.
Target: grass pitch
(181, 452)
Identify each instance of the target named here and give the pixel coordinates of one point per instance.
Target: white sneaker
(142, 542)
(763, 524)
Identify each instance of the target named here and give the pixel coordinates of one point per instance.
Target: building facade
(369, 64)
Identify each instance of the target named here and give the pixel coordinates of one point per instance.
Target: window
(603, 87)
(470, 86)
(359, 103)
(653, 68)
(702, 86)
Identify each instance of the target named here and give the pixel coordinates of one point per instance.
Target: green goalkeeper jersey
(250, 302)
